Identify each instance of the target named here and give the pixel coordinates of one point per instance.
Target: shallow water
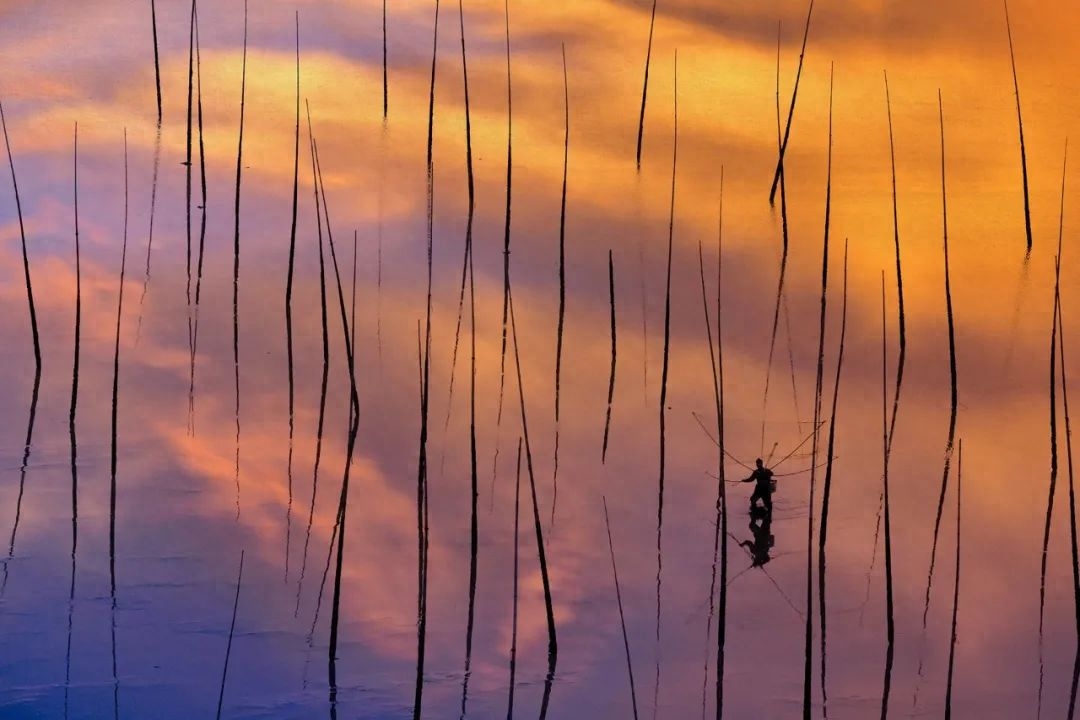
(154, 645)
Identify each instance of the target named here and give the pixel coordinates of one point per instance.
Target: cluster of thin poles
(510, 335)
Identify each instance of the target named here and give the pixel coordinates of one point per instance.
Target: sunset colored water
(118, 589)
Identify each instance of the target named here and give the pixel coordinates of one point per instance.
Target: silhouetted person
(763, 490)
(761, 527)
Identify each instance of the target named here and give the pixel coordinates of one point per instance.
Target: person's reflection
(759, 547)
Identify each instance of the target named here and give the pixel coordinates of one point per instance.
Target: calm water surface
(154, 644)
